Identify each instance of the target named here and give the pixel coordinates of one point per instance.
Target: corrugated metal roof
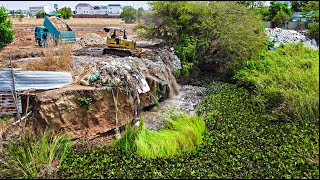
(25, 80)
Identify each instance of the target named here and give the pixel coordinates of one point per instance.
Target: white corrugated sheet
(25, 80)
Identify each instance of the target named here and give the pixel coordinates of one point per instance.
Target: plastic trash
(95, 77)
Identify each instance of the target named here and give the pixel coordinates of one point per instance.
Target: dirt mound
(59, 23)
(22, 37)
(89, 39)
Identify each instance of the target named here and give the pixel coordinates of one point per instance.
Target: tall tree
(296, 5)
(6, 34)
(65, 12)
(129, 14)
(55, 7)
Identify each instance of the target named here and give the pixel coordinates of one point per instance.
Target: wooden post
(15, 97)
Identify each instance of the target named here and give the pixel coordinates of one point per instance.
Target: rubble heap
(90, 39)
(288, 36)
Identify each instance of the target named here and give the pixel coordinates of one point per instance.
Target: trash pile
(89, 39)
(163, 54)
(133, 75)
(288, 36)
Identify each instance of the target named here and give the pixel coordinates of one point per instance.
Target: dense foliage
(204, 32)
(65, 12)
(6, 33)
(297, 5)
(288, 78)
(129, 14)
(313, 7)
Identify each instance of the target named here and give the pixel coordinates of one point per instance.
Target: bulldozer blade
(118, 52)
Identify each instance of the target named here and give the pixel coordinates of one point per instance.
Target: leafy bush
(276, 7)
(28, 157)
(129, 14)
(65, 12)
(213, 32)
(280, 19)
(288, 78)
(314, 31)
(182, 134)
(84, 101)
(6, 34)
(186, 51)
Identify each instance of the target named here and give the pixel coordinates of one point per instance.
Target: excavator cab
(117, 42)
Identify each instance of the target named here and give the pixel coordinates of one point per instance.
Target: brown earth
(25, 46)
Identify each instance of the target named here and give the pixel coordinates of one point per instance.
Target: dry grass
(55, 59)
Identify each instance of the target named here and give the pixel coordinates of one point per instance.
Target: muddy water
(186, 101)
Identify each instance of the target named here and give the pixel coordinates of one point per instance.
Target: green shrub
(280, 19)
(27, 157)
(205, 32)
(130, 15)
(314, 31)
(84, 101)
(6, 34)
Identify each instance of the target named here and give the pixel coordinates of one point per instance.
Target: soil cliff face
(62, 110)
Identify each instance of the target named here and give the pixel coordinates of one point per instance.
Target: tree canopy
(65, 12)
(129, 14)
(204, 32)
(6, 33)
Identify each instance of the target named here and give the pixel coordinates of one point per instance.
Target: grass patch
(5, 118)
(181, 134)
(288, 78)
(29, 157)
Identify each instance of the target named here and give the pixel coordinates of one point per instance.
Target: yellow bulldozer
(118, 44)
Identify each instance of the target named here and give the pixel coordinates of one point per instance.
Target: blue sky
(24, 5)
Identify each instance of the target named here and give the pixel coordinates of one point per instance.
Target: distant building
(15, 13)
(85, 10)
(114, 9)
(33, 10)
